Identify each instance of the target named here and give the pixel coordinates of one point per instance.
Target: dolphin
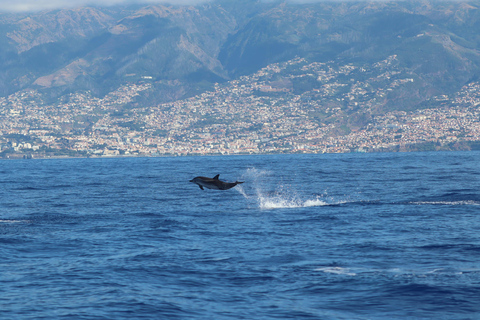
(214, 183)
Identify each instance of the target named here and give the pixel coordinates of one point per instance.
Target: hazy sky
(35, 5)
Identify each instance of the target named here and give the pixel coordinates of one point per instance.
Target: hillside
(292, 106)
(99, 49)
(229, 78)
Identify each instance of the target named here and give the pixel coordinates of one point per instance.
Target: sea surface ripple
(351, 236)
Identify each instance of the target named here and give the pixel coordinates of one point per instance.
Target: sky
(37, 5)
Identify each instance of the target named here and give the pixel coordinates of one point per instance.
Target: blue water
(350, 236)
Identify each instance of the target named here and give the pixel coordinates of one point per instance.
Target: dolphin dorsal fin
(216, 177)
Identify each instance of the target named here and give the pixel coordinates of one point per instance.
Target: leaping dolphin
(214, 183)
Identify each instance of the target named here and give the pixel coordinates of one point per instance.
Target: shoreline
(419, 147)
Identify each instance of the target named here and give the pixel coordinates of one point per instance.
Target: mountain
(98, 49)
(184, 50)
(434, 41)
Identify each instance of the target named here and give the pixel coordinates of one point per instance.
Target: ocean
(332, 236)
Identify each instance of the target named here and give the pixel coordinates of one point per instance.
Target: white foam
(258, 188)
(449, 203)
(336, 270)
(280, 203)
(12, 221)
(277, 203)
(315, 203)
(397, 272)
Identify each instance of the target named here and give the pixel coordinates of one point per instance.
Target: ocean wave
(448, 203)
(399, 272)
(337, 270)
(13, 221)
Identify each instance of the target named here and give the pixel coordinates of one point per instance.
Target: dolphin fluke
(214, 183)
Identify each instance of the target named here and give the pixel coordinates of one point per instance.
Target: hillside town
(290, 107)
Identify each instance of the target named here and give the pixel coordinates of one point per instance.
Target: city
(289, 107)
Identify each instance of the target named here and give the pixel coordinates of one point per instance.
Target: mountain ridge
(99, 49)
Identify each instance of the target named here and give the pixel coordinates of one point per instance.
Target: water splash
(279, 202)
(259, 190)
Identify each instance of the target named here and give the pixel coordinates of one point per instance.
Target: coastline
(418, 147)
